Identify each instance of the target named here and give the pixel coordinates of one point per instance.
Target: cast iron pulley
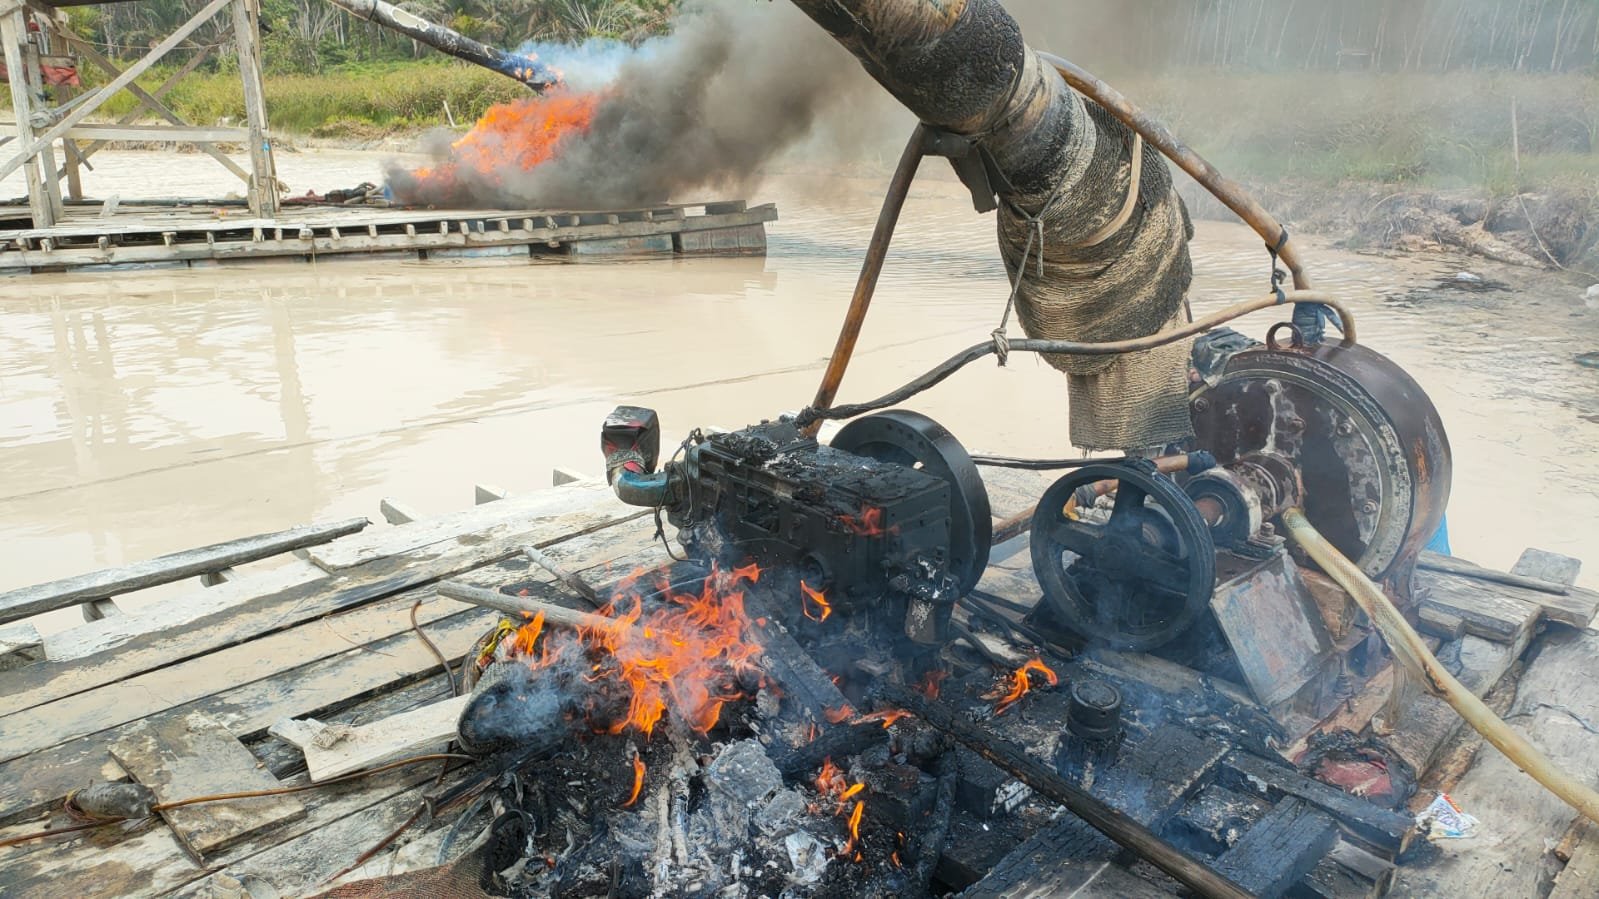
(1368, 443)
(1134, 580)
(912, 439)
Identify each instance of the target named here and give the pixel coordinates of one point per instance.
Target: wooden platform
(94, 237)
(328, 635)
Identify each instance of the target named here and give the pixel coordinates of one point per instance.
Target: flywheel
(1133, 579)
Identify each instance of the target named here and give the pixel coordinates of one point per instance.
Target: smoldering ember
(1177, 614)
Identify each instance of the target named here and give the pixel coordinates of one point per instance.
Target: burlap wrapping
(1130, 285)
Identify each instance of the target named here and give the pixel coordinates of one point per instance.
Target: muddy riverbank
(146, 412)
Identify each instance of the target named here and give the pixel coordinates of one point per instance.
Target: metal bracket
(973, 164)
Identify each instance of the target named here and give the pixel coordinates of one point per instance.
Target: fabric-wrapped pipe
(1090, 269)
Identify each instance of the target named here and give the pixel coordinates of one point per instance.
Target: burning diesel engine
(888, 526)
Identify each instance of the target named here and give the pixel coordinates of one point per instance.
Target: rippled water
(147, 412)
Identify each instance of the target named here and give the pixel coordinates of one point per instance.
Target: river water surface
(152, 411)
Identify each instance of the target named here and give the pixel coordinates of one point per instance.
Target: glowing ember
(638, 781)
(932, 683)
(684, 653)
(514, 136)
(814, 599)
(830, 782)
(839, 715)
(869, 524)
(1019, 684)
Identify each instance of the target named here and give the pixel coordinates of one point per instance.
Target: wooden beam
(175, 134)
(147, 100)
(47, 157)
(1381, 828)
(96, 100)
(332, 751)
(13, 32)
(200, 56)
(62, 594)
(263, 171)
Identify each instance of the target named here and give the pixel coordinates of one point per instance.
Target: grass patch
(362, 102)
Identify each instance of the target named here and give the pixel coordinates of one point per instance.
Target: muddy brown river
(152, 411)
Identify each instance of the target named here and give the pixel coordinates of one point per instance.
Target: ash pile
(679, 742)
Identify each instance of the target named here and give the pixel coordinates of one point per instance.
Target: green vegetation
(352, 101)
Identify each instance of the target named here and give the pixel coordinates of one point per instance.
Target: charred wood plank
(1386, 830)
(1114, 824)
(1280, 849)
(62, 594)
(838, 742)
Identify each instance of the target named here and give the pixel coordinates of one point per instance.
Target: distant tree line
(1385, 35)
(308, 35)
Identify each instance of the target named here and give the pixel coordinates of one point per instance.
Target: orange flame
(684, 653)
(855, 826)
(638, 782)
(814, 598)
(839, 715)
(519, 135)
(869, 524)
(1019, 684)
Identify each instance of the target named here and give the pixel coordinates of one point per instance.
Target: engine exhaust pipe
(528, 71)
(1090, 223)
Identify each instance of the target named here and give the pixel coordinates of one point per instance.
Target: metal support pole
(263, 173)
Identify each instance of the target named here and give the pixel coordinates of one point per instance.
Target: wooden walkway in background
(93, 237)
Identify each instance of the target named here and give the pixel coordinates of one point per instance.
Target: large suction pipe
(1091, 266)
(521, 68)
(1411, 653)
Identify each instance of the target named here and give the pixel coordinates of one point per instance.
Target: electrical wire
(955, 363)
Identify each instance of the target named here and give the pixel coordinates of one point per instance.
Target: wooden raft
(329, 637)
(97, 237)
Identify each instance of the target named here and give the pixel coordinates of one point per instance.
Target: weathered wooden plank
(1280, 849)
(1484, 608)
(73, 591)
(1563, 604)
(151, 862)
(19, 643)
(301, 866)
(326, 685)
(1386, 830)
(332, 751)
(29, 782)
(164, 688)
(1556, 707)
(1544, 565)
(99, 636)
(37, 684)
(193, 755)
(1579, 879)
(427, 532)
